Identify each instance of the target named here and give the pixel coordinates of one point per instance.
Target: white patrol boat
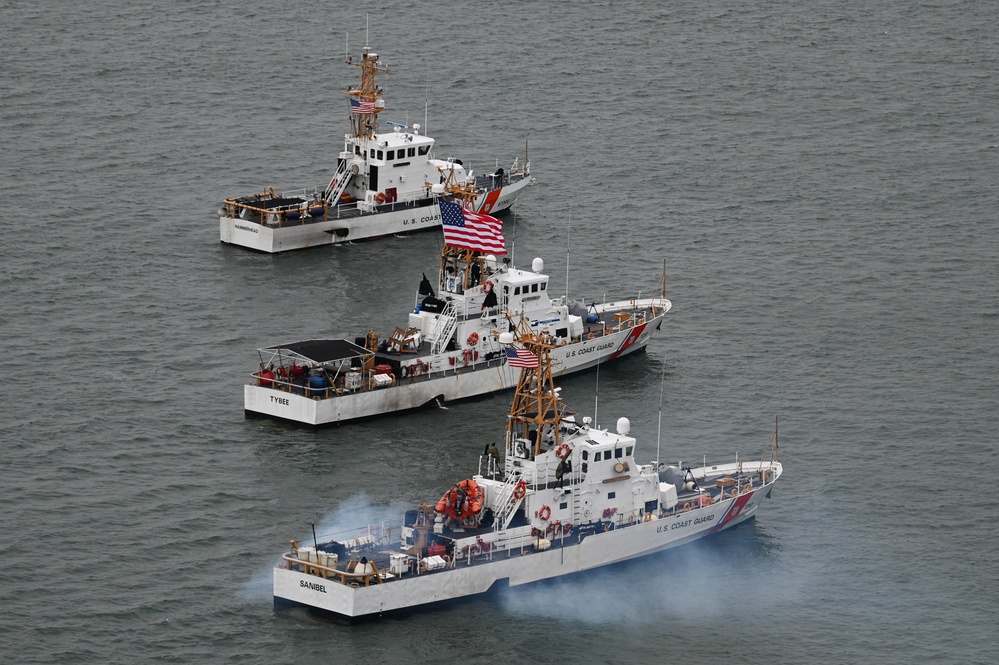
(384, 183)
(448, 348)
(568, 497)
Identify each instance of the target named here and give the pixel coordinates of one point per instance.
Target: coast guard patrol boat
(567, 496)
(448, 348)
(384, 183)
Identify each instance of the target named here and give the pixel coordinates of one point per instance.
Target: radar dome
(537, 265)
(623, 426)
(506, 338)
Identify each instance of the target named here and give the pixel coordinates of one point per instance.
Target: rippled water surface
(819, 177)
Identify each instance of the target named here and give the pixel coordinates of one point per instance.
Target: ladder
(337, 184)
(446, 325)
(507, 501)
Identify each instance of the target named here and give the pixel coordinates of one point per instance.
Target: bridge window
(424, 149)
(390, 155)
(611, 495)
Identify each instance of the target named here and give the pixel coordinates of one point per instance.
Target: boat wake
(698, 582)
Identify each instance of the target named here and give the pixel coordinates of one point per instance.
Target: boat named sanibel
(448, 347)
(563, 497)
(384, 183)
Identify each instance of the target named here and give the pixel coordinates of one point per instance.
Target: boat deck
(388, 362)
(285, 210)
(344, 560)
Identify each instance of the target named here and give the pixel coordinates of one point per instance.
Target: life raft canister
(266, 378)
(462, 501)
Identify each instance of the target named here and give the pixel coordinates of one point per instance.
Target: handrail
(344, 576)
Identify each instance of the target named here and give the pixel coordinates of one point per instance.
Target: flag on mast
(521, 358)
(465, 229)
(361, 107)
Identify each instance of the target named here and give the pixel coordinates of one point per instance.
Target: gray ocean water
(820, 178)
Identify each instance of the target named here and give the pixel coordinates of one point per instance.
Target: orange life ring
(520, 491)
(563, 450)
(544, 514)
(686, 507)
(380, 197)
(473, 339)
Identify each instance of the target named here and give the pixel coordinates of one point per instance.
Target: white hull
(468, 578)
(338, 231)
(447, 385)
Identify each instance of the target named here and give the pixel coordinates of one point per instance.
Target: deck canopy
(316, 351)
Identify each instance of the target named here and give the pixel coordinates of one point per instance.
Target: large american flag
(362, 106)
(465, 229)
(520, 358)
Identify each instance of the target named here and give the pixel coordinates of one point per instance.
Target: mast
(461, 264)
(463, 193)
(366, 99)
(537, 409)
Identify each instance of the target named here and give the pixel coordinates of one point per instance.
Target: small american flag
(361, 107)
(521, 358)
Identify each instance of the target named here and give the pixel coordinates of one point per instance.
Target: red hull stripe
(490, 201)
(630, 340)
(733, 511)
